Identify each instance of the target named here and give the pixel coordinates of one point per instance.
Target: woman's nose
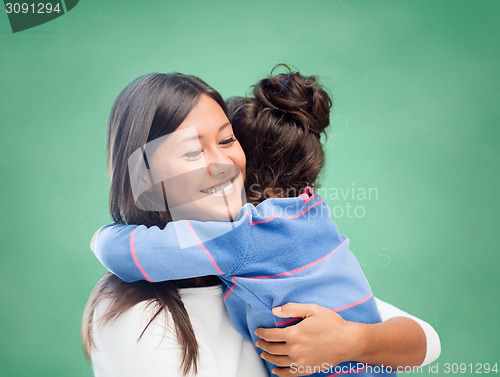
(218, 157)
(218, 164)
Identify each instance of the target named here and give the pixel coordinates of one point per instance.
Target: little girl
(283, 249)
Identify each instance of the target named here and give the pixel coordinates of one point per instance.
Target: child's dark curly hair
(279, 130)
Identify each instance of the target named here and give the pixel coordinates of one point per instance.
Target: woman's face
(201, 165)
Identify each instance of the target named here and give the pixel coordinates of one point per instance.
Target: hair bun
(298, 99)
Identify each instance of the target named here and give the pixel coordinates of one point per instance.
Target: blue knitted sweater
(282, 250)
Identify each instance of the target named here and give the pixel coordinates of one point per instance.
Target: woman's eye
(228, 141)
(193, 155)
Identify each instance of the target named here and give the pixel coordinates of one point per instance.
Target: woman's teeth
(219, 190)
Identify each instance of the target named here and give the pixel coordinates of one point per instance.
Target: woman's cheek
(240, 159)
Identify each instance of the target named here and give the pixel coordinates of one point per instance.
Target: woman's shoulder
(223, 352)
(128, 346)
(133, 329)
(136, 322)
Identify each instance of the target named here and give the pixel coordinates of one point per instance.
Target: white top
(433, 343)
(223, 352)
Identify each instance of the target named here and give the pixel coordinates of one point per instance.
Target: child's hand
(321, 340)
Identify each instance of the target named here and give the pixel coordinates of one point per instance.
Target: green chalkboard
(412, 167)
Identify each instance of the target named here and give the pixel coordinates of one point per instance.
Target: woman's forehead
(206, 116)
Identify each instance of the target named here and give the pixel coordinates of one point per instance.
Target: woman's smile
(225, 188)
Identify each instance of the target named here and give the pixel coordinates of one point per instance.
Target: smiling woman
(191, 146)
(149, 112)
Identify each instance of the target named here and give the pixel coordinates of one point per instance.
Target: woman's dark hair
(279, 130)
(150, 107)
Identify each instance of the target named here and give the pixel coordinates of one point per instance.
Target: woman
(150, 108)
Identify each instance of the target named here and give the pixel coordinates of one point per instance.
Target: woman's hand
(321, 340)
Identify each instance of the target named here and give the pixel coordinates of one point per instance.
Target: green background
(416, 90)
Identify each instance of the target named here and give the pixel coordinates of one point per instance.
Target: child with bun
(282, 248)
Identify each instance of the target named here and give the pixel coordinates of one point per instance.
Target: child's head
(280, 131)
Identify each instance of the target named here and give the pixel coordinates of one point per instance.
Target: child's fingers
(295, 310)
(274, 348)
(272, 335)
(281, 361)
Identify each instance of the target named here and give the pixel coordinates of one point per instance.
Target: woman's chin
(217, 208)
(209, 208)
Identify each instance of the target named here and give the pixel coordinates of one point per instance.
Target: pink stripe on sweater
(305, 197)
(229, 292)
(353, 304)
(287, 321)
(291, 272)
(281, 217)
(134, 257)
(359, 302)
(204, 248)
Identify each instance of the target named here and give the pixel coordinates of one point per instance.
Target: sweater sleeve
(388, 311)
(183, 249)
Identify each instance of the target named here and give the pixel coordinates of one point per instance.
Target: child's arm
(183, 249)
(186, 249)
